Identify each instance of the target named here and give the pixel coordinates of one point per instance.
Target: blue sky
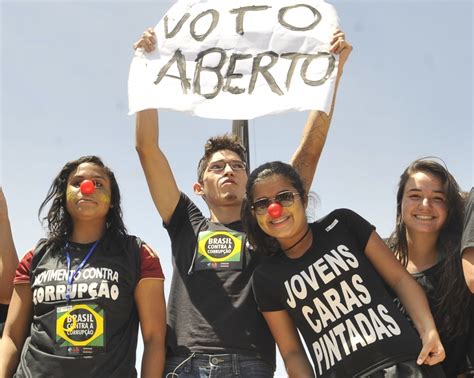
(406, 93)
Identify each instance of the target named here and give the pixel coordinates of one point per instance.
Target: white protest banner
(238, 59)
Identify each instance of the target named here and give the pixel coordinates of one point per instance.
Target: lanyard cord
(72, 277)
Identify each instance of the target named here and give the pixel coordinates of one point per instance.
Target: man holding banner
(214, 326)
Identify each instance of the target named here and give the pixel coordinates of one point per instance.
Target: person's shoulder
(186, 204)
(25, 267)
(345, 212)
(134, 238)
(136, 243)
(185, 212)
(185, 199)
(28, 255)
(41, 248)
(334, 217)
(146, 251)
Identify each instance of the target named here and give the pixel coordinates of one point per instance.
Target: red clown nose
(87, 187)
(275, 210)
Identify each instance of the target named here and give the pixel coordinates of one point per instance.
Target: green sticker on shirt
(219, 250)
(80, 329)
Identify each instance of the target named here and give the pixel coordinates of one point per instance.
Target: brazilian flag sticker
(219, 250)
(80, 328)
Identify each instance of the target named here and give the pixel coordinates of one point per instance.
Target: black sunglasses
(285, 199)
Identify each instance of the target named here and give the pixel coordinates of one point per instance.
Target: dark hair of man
(262, 242)
(452, 287)
(59, 222)
(219, 143)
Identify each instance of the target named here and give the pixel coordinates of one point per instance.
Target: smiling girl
(327, 280)
(427, 240)
(80, 294)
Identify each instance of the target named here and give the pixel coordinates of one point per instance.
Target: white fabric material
(184, 75)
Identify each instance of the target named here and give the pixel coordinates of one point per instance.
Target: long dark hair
(259, 240)
(452, 288)
(59, 222)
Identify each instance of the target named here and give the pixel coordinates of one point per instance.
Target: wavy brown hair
(451, 287)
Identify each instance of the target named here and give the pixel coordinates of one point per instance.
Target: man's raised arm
(158, 173)
(306, 157)
(160, 179)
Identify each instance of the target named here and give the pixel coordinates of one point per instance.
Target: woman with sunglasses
(426, 240)
(327, 280)
(80, 294)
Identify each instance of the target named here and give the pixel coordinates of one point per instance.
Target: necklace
(299, 240)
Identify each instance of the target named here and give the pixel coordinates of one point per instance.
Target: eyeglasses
(219, 166)
(285, 199)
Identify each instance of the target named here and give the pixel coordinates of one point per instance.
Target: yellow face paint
(103, 197)
(70, 194)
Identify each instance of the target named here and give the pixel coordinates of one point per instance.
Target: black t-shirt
(211, 307)
(468, 242)
(455, 348)
(338, 301)
(468, 230)
(96, 336)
